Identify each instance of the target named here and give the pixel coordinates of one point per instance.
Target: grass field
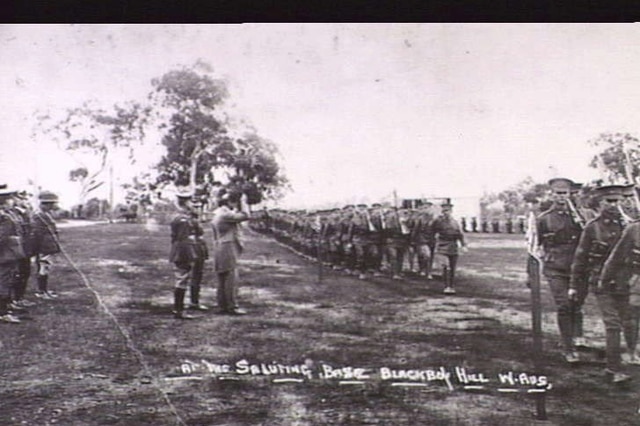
(339, 351)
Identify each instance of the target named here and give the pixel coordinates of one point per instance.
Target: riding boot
(178, 301)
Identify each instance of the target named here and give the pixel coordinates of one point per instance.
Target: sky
(358, 111)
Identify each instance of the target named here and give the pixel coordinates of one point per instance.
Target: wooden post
(534, 273)
(535, 269)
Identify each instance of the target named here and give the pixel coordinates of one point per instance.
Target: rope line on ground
(125, 334)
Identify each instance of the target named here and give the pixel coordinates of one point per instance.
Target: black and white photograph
(307, 224)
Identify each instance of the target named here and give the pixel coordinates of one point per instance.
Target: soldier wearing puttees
(559, 231)
(347, 253)
(11, 253)
(613, 290)
(423, 238)
(596, 242)
(397, 238)
(632, 212)
(364, 240)
(23, 212)
(377, 213)
(184, 251)
(44, 239)
(448, 235)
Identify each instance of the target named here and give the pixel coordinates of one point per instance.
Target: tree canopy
(619, 157)
(201, 142)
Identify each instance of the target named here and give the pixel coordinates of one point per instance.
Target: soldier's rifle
(401, 223)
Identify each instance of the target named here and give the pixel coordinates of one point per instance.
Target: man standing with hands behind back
(227, 246)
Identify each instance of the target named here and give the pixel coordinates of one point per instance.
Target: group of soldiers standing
(585, 251)
(373, 241)
(25, 233)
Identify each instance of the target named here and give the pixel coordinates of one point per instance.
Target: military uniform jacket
(363, 230)
(27, 232)
(201, 246)
(44, 234)
(395, 232)
(559, 236)
(378, 220)
(422, 229)
(227, 244)
(11, 249)
(448, 233)
(623, 261)
(596, 242)
(183, 239)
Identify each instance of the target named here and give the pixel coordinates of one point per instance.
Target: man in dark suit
(227, 246)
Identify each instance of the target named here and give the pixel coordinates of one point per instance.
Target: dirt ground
(329, 351)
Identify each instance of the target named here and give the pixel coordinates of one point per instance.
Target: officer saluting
(559, 229)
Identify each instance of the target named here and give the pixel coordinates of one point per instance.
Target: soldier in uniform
(11, 253)
(45, 242)
(346, 234)
(629, 204)
(631, 212)
(23, 210)
(613, 291)
(448, 234)
(596, 241)
(184, 250)
(559, 231)
(227, 246)
(378, 218)
(201, 255)
(474, 224)
(363, 240)
(423, 238)
(581, 200)
(397, 239)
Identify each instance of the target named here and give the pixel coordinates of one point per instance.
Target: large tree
(188, 106)
(205, 148)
